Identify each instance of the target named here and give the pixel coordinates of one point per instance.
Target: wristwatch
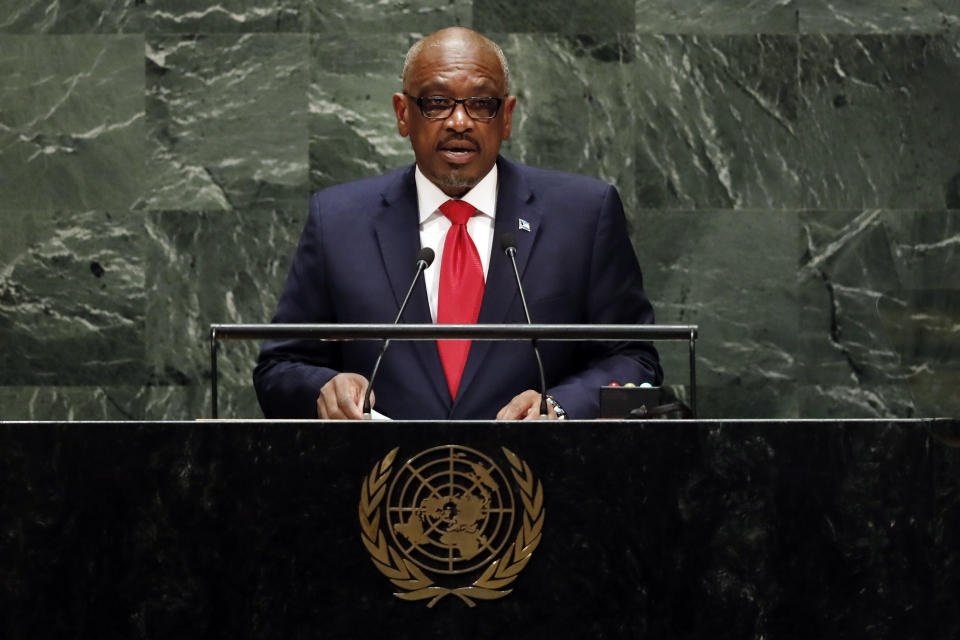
(561, 414)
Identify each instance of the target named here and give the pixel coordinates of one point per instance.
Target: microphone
(424, 260)
(509, 245)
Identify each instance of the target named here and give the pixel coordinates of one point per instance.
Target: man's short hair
(418, 46)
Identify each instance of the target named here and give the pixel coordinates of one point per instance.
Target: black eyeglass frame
(457, 101)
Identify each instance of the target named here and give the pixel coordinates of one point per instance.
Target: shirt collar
(483, 195)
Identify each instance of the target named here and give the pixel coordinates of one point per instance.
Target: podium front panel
(659, 529)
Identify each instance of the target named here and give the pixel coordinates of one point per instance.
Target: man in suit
(356, 258)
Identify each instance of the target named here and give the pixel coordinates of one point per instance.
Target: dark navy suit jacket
(355, 262)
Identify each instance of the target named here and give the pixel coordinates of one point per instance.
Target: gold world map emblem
(448, 512)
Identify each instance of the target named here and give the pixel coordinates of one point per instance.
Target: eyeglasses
(440, 107)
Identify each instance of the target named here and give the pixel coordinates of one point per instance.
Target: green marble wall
(790, 169)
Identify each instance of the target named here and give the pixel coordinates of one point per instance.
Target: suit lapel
(397, 229)
(515, 201)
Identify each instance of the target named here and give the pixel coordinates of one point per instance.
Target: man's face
(455, 152)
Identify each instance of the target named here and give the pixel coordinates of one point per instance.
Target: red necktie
(461, 288)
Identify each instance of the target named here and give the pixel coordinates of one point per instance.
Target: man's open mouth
(458, 152)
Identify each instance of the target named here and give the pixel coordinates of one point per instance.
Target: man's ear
(508, 104)
(400, 108)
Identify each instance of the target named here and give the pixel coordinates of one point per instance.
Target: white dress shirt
(434, 225)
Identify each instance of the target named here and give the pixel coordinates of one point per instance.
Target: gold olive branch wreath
(409, 577)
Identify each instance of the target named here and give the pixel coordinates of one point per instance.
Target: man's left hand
(525, 406)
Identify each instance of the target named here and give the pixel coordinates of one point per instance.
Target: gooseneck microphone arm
(424, 260)
(509, 245)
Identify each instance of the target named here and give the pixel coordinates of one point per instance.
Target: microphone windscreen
(507, 242)
(426, 256)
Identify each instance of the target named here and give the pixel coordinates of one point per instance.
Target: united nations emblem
(449, 514)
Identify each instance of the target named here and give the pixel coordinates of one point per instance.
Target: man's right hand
(342, 397)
